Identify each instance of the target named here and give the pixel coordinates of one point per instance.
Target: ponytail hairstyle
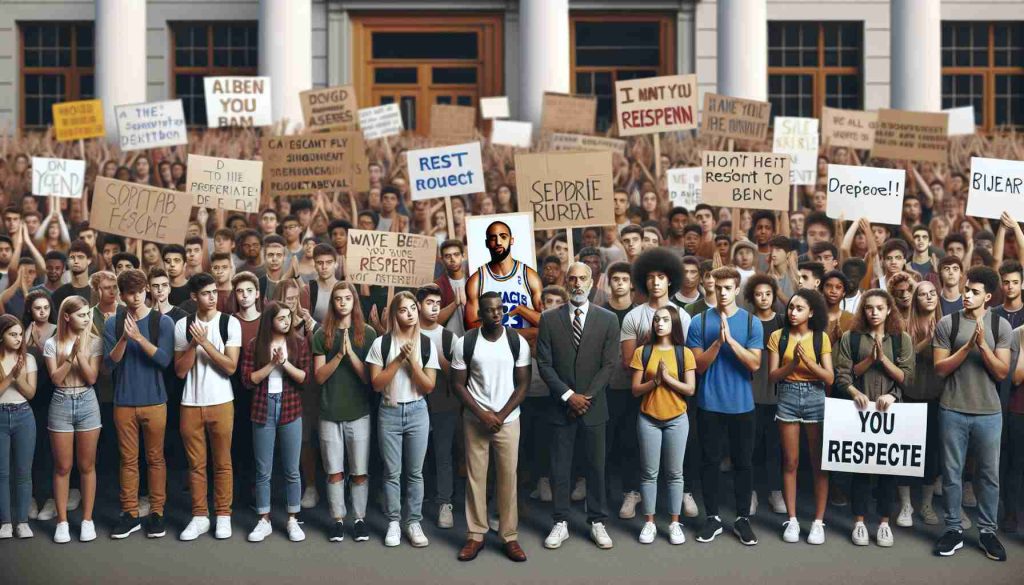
(332, 319)
(265, 335)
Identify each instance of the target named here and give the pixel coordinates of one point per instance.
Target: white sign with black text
(60, 177)
(855, 192)
(445, 171)
(684, 187)
(996, 186)
(380, 121)
(798, 137)
(869, 441)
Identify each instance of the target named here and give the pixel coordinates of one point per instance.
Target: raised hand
(198, 332)
(131, 327)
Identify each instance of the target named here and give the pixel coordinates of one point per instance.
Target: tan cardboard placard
(560, 142)
(919, 136)
(224, 183)
(452, 124)
(575, 114)
(134, 210)
(390, 258)
(848, 128)
(736, 118)
(304, 163)
(563, 190)
(752, 180)
(656, 104)
(78, 120)
(333, 108)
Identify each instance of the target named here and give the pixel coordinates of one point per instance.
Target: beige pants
(479, 442)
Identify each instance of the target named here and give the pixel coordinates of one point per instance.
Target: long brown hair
(922, 324)
(282, 291)
(265, 335)
(893, 321)
(677, 336)
(6, 322)
(331, 321)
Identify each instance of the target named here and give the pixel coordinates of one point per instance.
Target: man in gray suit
(577, 349)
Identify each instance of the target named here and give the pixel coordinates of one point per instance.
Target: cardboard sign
(390, 258)
(304, 163)
(445, 171)
(869, 441)
(961, 121)
(566, 190)
(59, 177)
(224, 183)
(519, 224)
(380, 121)
(874, 193)
(656, 104)
(452, 124)
(848, 128)
(751, 180)
(78, 120)
(996, 186)
(568, 113)
(919, 136)
(237, 101)
(333, 108)
(798, 137)
(151, 125)
(561, 142)
(512, 133)
(134, 210)
(684, 187)
(736, 118)
(494, 107)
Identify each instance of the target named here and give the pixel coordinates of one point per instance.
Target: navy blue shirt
(139, 378)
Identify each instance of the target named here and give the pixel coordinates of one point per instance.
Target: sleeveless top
(514, 290)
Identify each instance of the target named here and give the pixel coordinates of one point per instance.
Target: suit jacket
(586, 371)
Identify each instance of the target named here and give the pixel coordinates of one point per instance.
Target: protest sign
(512, 133)
(494, 107)
(558, 141)
(848, 128)
(452, 124)
(919, 136)
(874, 193)
(59, 177)
(380, 121)
(333, 108)
(134, 210)
(961, 121)
(304, 163)
(996, 186)
(78, 120)
(684, 187)
(445, 171)
(151, 125)
(752, 180)
(520, 226)
(568, 113)
(390, 258)
(566, 190)
(736, 118)
(656, 104)
(224, 183)
(237, 101)
(869, 441)
(798, 137)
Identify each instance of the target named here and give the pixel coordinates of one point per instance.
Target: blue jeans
(404, 433)
(662, 444)
(981, 435)
(17, 446)
(263, 438)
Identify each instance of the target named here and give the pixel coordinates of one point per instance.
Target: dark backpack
(314, 292)
(816, 341)
(469, 344)
(645, 358)
(224, 320)
(154, 323)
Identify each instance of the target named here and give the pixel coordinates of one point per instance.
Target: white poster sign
(494, 107)
(59, 177)
(869, 441)
(512, 133)
(445, 171)
(151, 125)
(798, 137)
(996, 186)
(380, 121)
(238, 101)
(961, 121)
(855, 192)
(684, 187)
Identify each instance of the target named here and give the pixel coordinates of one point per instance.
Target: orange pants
(151, 421)
(218, 422)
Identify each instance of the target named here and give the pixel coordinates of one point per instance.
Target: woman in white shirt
(17, 426)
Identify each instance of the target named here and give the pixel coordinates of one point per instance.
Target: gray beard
(579, 299)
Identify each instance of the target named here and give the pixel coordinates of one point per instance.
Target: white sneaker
(965, 520)
(394, 535)
(295, 533)
(262, 530)
(223, 529)
(928, 515)
(906, 516)
(559, 534)
(144, 507)
(600, 536)
(310, 498)
(969, 499)
(792, 530)
(689, 506)
(753, 503)
(648, 533)
(444, 517)
(860, 534)
(198, 526)
(629, 502)
(6, 531)
(676, 534)
(884, 535)
(416, 537)
(579, 493)
(74, 499)
(23, 530)
(817, 533)
(777, 503)
(87, 532)
(544, 489)
(62, 534)
(493, 523)
(49, 511)
(33, 509)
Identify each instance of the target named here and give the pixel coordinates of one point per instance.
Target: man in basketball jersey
(518, 284)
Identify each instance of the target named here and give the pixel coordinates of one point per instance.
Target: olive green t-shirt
(344, 396)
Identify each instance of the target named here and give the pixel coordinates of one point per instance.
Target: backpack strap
(154, 326)
(954, 330)
(704, 329)
(645, 356)
(225, 319)
(855, 346)
(385, 348)
(120, 314)
(680, 361)
(189, 320)
(425, 344)
(314, 291)
(817, 342)
(783, 341)
(447, 340)
(469, 345)
(513, 343)
(994, 326)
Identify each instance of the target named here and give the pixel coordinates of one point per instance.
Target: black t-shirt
(65, 291)
(1015, 319)
(179, 294)
(620, 314)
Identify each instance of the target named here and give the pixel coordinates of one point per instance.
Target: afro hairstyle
(658, 260)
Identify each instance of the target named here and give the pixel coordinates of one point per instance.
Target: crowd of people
(709, 338)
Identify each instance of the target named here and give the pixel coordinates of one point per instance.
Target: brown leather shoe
(470, 549)
(514, 552)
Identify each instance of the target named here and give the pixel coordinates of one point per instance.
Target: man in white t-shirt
(206, 348)
(490, 374)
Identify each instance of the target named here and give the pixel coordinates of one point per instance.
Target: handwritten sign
(494, 107)
(224, 183)
(140, 211)
(752, 180)
(304, 163)
(561, 142)
(568, 113)
(996, 186)
(78, 120)
(380, 121)
(452, 123)
(736, 118)
(869, 441)
(445, 171)
(59, 177)
(656, 104)
(512, 133)
(798, 137)
(566, 190)
(848, 128)
(237, 101)
(684, 187)
(333, 108)
(874, 193)
(919, 136)
(390, 258)
(961, 121)
(151, 125)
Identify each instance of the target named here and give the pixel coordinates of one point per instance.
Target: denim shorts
(74, 410)
(800, 402)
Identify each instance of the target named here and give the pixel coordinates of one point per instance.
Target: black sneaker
(992, 547)
(741, 528)
(155, 527)
(712, 528)
(337, 533)
(362, 534)
(951, 541)
(126, 524)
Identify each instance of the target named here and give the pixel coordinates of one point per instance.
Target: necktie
(577, 329)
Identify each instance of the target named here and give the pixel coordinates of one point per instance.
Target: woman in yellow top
(663, 375)
(800, 364)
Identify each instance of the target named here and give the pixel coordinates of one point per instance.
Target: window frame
(210, 70)
(821, 72)
(72, 73)
(987, 72)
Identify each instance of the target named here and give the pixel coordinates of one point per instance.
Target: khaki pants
(151, 421)
(218, 421)
(479, 442)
